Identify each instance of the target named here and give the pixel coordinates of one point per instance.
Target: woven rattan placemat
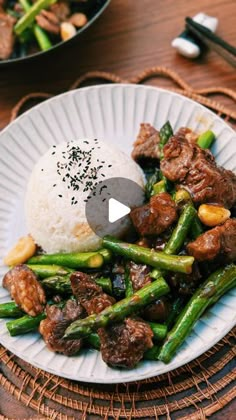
(195, 391)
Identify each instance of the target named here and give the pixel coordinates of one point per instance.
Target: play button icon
(109, 204)
(116, 210)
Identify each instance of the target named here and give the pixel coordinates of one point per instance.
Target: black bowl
(96, 11)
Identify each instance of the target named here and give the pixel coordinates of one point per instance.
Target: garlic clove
(67, 30)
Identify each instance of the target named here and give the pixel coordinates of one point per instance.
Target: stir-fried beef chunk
(123, 345)
(53, 327)
(7, 38)
(218, 242)
(186, 284)
(89, 294)
(156, 216)
(157, 311)
(146, 145)
(139, 275)
(27, 292)
(195, 169)
(48, 21)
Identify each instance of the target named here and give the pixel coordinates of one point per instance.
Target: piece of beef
(219, 242)
(123, 345)
(195, 169)
(89, 294)
(53, 328)
(186, 284)
(146, 145)
(157, 311)
(7, 37)
(61, 10)
(139, 275)
(118, 279)
(48, 21)
(156, 216)
(159, 242)
(27, 292)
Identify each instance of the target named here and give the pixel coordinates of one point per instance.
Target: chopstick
(227, 51)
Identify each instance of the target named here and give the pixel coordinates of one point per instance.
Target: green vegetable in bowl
(31, 13)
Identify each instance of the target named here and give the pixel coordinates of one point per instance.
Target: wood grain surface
(131, 35)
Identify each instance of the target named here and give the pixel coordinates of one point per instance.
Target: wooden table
(130, 36)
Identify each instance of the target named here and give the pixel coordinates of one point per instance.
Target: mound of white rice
(58, 189)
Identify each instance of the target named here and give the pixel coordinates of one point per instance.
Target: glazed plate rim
(155, 368)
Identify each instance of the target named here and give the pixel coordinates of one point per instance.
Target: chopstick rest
(187, 44)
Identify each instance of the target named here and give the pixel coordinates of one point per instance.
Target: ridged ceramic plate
(111, 113)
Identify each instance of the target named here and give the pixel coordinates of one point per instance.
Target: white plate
(112, 113)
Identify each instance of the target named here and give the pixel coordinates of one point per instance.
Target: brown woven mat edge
(184, 88)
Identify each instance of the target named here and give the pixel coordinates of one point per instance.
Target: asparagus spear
(43, 271)
(165, 133)
(148, 256)
(153, 179)
(30, 15)
(24, 324)
(159, 187)
(159, 331)
(196, 228)
(180, 232)
(177, 307)
(40, 35)
(28, 323)
(62, 285)
(208, 293)
(119, 310)
(93, 340)
(128, 283)
(182, 197)
(71, 260)
(10, 310)
(105, 283)
(106, 253)
(152, 353)
(206, 139)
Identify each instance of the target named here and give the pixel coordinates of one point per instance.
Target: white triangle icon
(116, 210)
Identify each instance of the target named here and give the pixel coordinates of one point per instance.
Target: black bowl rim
(59, 44)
